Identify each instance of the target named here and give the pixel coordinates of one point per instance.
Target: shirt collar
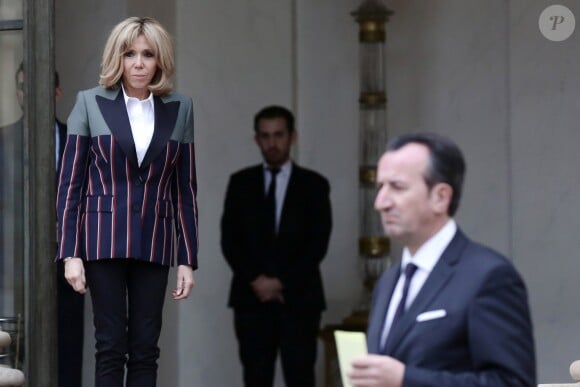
(148, 101)
(285, 169)
(429, 253)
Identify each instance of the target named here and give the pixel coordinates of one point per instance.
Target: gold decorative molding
(367, 175)
(374, 246)
(372, 99)
(372, 10)
(371, 31)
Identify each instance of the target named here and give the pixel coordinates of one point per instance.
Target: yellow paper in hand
(348, 346)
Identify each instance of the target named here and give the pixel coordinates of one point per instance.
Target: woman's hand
(185, 282)
(74, 273)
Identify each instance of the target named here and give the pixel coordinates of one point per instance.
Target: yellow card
(348, 346)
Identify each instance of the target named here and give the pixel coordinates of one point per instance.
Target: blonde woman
(126, 199)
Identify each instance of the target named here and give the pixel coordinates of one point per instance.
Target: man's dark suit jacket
(483, 338)
(61, 141)
(300, 246)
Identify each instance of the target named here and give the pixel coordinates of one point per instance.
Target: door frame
(39, 195)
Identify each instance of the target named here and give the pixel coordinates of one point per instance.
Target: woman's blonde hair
(121, 39)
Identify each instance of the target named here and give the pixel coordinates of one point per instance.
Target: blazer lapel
(165, 118)
(115, 114)
(380, 306)
(442, 272)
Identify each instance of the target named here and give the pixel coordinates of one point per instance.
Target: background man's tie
(271, 201)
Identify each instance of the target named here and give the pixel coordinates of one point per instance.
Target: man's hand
(74, 273)
(268, 289)
(185, 282)
(376, 371)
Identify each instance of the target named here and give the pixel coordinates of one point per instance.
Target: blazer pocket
(99, 203)
(431, 315)
(164, 209)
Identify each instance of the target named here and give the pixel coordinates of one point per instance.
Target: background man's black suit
(294, 258)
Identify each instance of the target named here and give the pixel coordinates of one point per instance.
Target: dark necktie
(410, 270)
(271, 201)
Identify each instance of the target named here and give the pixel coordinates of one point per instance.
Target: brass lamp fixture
(374, 247)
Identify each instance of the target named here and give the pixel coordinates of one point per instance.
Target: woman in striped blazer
(126, 201)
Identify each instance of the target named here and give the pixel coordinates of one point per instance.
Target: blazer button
(136, 207)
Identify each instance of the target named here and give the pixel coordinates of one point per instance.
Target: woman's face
(139, 67)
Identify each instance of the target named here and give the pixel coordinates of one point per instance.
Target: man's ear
(441, 195)
(57, 93)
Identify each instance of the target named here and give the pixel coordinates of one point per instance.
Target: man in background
(275, 230)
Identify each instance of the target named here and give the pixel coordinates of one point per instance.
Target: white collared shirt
(282, 179)
(425, 258)
(142, 118)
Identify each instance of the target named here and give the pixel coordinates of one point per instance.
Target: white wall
(478, 71)
(448, 72)
(544, 99)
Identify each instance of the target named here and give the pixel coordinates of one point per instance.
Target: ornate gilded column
(374, 247)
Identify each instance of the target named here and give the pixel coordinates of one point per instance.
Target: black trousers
(263, 332)
(71, 324)
(127, 297)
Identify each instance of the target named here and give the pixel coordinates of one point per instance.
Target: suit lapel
(165, 118)
(114, 112)
(254, 188)
(258, 185)
(441, 274)
(380, 307)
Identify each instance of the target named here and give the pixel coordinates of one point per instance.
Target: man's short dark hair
(275, 111)
(446, 162)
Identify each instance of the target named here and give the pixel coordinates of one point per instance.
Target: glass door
(12, 219)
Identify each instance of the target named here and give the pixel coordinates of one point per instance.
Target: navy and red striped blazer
(110, 207)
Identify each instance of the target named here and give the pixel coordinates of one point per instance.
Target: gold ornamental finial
(371, 17)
